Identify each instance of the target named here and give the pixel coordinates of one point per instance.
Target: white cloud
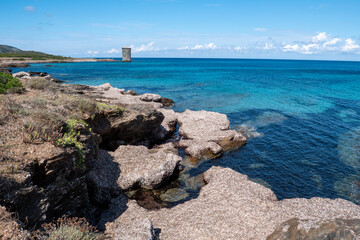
(332, 42)
(211, 46)
(240, 49)
(268, 46)
(145, 47)
(291, 48)
(183, 48)
(29, 9)
(198, 46)
(113, 50)
(321, 37)
(304, 49)
(309, 48)
(260, 29)
(206, 46)
(92, 52)
(350, 45)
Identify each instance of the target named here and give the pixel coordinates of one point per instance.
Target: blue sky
(288, 29)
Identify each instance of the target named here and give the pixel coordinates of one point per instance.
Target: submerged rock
(338, 229)
(231, 206)
(174, 195)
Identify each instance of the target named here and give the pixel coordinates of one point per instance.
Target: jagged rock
(207, 132)
(102, 179)
(20, 74)
(131, 92)
(40, 74)
(338, 229)
(5, 70)
(110, 90)
(135, 124)
(13, 65)
(143, 167)
(150, 97)
(167, 102)
(231, 206)
(168, 125)
(58, 184)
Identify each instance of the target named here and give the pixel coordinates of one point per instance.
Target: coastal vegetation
(9, 84)
(69, 229)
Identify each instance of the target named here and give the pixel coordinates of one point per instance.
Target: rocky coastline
(116, 142)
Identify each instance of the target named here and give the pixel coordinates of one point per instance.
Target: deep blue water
(307, 114)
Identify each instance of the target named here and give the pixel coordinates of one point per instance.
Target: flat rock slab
(207, 133)
(143, 167)
(231, 206)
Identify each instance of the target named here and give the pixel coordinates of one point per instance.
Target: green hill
(8, 49)
(13, 52)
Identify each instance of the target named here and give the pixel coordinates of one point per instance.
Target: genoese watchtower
(126, 54)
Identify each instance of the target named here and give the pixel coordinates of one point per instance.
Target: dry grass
(68, 229)
(37, 83)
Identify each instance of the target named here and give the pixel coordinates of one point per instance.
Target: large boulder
(207, 133)
(143, 167)
(231, 206)
(131, 167)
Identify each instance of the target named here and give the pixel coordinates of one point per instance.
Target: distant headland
(12, 56)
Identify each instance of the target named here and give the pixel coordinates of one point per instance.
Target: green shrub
(72, 132)
(9, 84)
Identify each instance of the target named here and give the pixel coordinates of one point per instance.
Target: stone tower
(126, 54)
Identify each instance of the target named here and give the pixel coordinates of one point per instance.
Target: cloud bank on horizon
(182, 28)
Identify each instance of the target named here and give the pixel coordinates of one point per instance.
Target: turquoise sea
(302, 117)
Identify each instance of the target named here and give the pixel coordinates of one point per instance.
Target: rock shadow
(104, 193)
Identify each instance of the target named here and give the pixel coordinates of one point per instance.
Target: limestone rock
(21, 74)
(168, 125)
(143, 167)
(102, 179)
(338, 229)
(207, 132)
(167, 102)
(150, 97)
(129, 226)
(231, 206)
(135, 124)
